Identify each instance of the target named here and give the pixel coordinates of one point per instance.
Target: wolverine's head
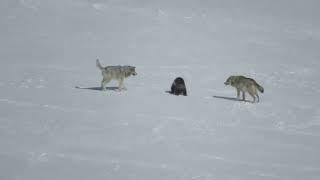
(179, 80)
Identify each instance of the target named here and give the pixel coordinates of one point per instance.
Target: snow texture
(56, 124)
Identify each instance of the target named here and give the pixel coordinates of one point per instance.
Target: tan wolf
(244, 84)
(118, 73)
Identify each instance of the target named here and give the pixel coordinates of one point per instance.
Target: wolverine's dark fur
(178, 87)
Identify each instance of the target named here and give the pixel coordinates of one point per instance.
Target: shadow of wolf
(98, 88)
(230, 98)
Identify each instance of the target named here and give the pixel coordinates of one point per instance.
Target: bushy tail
(260, 88)
(98, 64)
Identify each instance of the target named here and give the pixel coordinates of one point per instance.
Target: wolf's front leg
(103, 85)
(243, 96)
(121, 87)
(104, 82)
(238, 93)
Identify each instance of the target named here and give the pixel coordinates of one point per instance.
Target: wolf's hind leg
(255, 93)
(121, 87)
(253, 97)
(104, 82)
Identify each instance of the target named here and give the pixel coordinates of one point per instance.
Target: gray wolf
(118, 73)
(244, 84)
(178, 87)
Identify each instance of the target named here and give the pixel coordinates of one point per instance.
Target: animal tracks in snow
(36, 83)
(44, 106)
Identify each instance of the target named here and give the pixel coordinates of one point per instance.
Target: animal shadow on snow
(169, 92)
(98, 88)
(230, 98)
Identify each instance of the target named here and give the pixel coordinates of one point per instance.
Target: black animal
(178, 87)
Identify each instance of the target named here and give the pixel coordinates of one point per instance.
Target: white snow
(49, 129)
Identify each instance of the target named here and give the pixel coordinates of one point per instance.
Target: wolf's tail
(260, 88)
(98, 64)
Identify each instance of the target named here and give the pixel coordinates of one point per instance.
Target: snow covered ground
(50, 130)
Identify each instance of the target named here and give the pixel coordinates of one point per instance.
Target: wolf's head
(130, 70)
(229, 80)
